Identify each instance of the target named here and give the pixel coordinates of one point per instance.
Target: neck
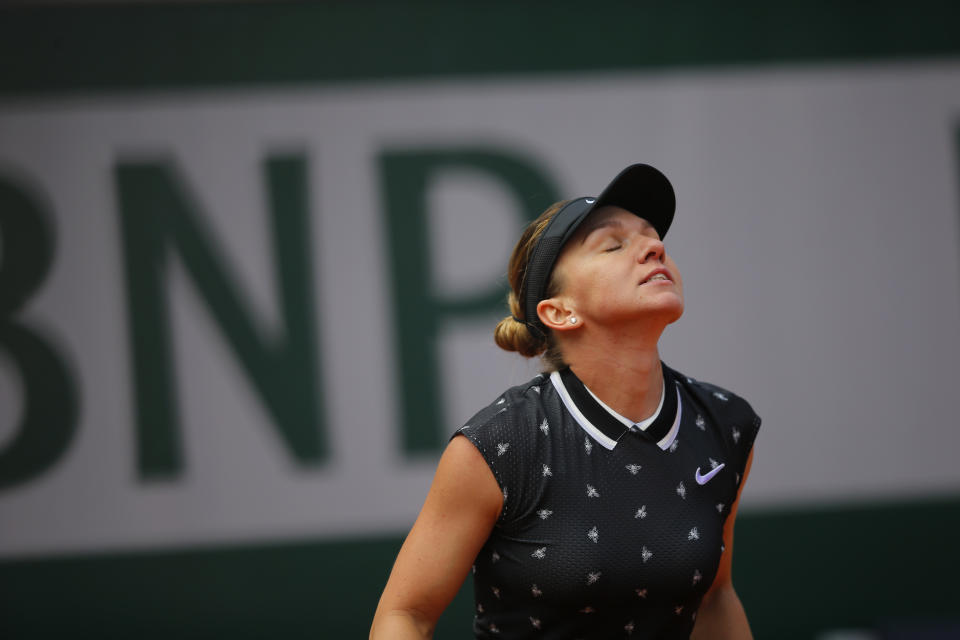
(623, 371)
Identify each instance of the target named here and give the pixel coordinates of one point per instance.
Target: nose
(651, 249)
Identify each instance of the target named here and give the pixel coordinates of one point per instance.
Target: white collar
(609, 439)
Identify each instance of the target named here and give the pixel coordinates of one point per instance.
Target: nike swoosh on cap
(705, 479)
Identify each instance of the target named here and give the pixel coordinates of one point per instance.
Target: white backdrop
(817, 233)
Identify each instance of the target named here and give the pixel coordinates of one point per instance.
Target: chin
(673, 312)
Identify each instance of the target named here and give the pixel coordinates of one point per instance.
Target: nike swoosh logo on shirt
(705, 479)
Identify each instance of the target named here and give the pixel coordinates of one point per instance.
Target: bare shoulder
(461, 508)
(463, 474)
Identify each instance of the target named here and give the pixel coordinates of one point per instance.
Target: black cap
(640, 189)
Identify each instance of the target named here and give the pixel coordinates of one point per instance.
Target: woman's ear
(556, 315)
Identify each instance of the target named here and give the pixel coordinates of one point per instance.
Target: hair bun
(513, 335)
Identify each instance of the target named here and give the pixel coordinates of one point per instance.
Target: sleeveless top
(607, 530)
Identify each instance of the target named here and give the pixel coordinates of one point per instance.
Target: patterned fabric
(606, 531)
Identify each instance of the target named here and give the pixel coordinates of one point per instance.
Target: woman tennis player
(598, 499)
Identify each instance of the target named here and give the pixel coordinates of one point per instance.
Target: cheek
(580, 280)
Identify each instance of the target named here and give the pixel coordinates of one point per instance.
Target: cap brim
(644, 191)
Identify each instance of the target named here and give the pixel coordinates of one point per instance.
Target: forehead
(607, 216)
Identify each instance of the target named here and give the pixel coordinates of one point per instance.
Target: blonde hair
(513, 333)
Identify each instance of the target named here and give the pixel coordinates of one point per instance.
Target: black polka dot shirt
(609, 529)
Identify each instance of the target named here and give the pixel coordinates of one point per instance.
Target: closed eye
(613, 248)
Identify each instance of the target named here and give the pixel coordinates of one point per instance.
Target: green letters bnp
(162, 224)
(419, 312)
(49, 415)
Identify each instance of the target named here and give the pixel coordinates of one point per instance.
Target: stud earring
(573, 321)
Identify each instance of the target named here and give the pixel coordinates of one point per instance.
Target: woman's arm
(461, 508)
(721, 615)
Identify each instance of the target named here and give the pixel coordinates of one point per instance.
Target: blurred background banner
(251, 257)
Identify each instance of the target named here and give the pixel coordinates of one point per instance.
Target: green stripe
(67, 49)
(804, 571)
(797, 572)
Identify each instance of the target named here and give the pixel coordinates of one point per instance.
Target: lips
(658, 275)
